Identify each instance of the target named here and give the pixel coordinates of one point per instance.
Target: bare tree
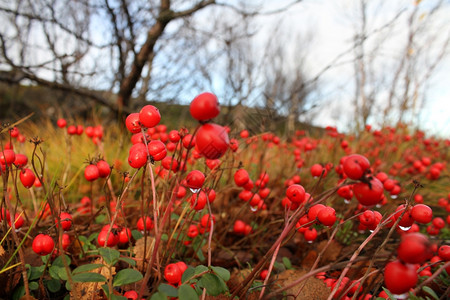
(114, 45)
(392, 86)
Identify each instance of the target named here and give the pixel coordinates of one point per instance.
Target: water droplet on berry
(346, 201)
(393, 196)
(404, 228)
(402, 296)
(253, 208)
(195, 191)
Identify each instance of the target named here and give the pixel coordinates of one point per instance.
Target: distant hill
(17, 101)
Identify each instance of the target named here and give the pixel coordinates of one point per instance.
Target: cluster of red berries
(97, 169)
(254, 192)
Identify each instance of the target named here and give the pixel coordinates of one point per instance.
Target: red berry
(204, 107)
(189, 141)
(316, 170)
(148, 224)
(103, 168)
(366, 194)
(192, 231)
(132, 123)
(355, 166)
(296, 193)
(444, 252)
(212, 141)
(72, 130)
(314, 211)
(21, 160)
(239, 227)
(61, 123)
(205, 221)
(91, 173)
(131, 295)
(66, 220)
(173, 273)
(170, 163)
(174, 136)
(138, 157)
(382, 176)
(422, 213)
(7, 157)
(389, 184)
(27, 178)
(157, 150)
(89, 131)
(113, 238)
(406, 219)
(198, 201)
(438, 223)
(149, 116)
(414, 248)
(345, 192)
(65, 241)
(79, 130)
(263, 274)
(124, 235)
(195, 179)
(399, 278)
(43, 244)
(18, 221)
(310, 234)
(327, 216)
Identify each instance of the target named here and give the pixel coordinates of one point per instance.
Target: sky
(331, 25)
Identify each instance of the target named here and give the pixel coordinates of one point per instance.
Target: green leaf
(186, 292)
(105, 288)
(33, 285)
(118, 297)
(222, 273)
(159, 296)
(88, 277)
(200, 255)
(35, 272)
(109, 255)
(136, 234)
(68, 286)
(287, 263)
(127, 276)
(168, 290)
(190, 271)
(128, 260)
(45, 258)
(200, 269)
(279, 266)
(53, 285)
(213, 284)
(389, 294)
(54, 272)
(18, 293)
(62, 273)
(59, 262)
(164, 237)
(430, 291)
(86, 268)
(92, 237)
(100, 219)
